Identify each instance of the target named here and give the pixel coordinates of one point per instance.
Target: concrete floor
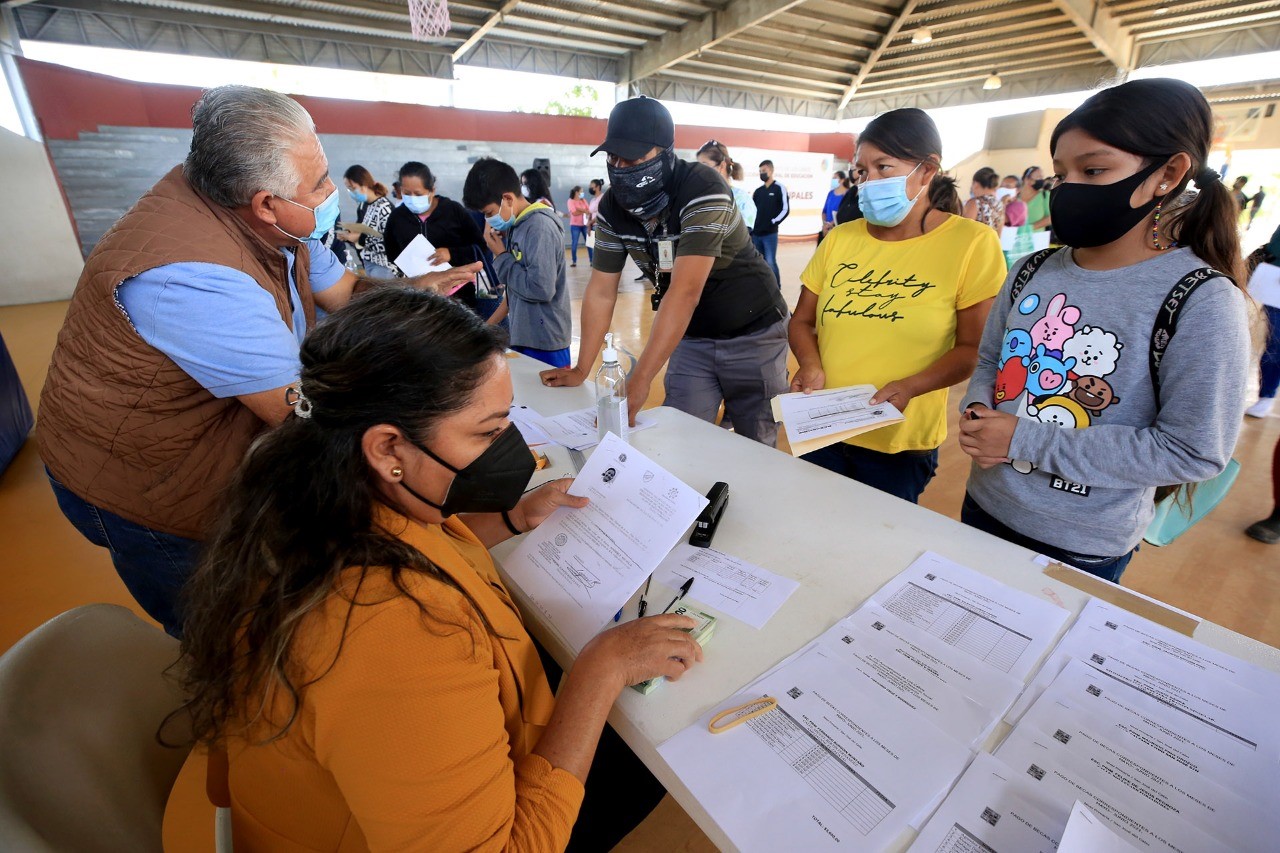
(46, 567)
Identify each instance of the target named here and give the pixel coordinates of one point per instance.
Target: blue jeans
(153, 565)
(553, 357)
(580, 232)
(1107, 568)
(1270, 363)
(903, 475)
(767, 245)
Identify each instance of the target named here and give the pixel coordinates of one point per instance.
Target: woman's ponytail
(735, 170)
(943, 194)
(1207, 225)
(380, 190)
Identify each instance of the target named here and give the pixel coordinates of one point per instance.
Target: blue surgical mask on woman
(417, 203)
(326, 214)
(835, 182)
(497, 223)
(358, 196)
(884, 201)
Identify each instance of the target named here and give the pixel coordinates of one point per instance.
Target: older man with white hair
(181, 342)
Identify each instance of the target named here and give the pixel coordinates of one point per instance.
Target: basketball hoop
(429, 19)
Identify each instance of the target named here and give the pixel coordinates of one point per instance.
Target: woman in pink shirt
(579, 210)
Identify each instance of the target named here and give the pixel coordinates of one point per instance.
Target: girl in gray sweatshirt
(1115, 365)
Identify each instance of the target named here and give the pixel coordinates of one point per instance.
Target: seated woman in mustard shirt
(350, 645)
(896, 300)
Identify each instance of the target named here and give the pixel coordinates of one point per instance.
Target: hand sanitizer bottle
(611, 393)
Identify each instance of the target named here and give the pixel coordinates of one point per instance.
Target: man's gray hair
(244, 142)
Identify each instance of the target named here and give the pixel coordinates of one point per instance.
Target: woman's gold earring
(397, 472)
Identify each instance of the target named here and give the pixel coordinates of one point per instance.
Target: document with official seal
(580, 566)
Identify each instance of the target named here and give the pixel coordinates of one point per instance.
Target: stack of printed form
(876, 718)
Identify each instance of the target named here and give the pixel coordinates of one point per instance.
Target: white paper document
(413, 261)
(529, 422)
(581, 565)
(894, 673)
(988, 811)
(1088, 833)
(726, 584)
(1060, 779)
(1005, 628)
(833, 410)
(1264, 285)
(830, 768)
(1144, 768)
(577, 430)
(1122, 640)
(1131, 719)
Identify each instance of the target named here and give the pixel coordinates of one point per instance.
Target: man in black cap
(721, 319)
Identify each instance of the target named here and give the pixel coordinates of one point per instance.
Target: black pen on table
(684, 590)
(643, 605)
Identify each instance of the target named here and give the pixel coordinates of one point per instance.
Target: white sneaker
(1260, 409)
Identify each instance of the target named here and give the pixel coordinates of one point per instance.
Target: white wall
(40, 260)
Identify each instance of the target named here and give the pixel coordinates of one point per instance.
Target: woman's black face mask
(493, 482)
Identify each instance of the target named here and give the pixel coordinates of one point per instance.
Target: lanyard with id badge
(666, 262)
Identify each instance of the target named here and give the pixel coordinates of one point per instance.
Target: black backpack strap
(1167, 318)
(1029, 268)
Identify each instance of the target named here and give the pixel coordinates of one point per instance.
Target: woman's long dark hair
(537, 184)
(1157, 119)
(362, 177)
(300, 511)
(909, 134)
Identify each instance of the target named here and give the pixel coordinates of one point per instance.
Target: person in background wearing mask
(595, 192)
(1015, 209)
(394, 195)
(848, 209)
(1035, 194)
(839, 186)
(913, 331)
(351, 648)
(534, 187)
(772, 206)
(180, 346)
(372, 209)
(721, 319)
(983, 204)
(579, 213)
(1085, 403)
(444, 222)
(527, 241)
(716, 155)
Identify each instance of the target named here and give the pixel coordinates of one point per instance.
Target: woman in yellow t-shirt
(349, 646)
(897, 300)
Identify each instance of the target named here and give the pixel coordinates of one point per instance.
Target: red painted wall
(68, 101)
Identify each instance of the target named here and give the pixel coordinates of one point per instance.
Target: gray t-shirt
(1071, 359)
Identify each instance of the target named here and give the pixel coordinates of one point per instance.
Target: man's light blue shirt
(220, 326)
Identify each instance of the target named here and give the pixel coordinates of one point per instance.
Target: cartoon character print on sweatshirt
(1055, 372)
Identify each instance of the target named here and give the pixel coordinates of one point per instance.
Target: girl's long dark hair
(362, 177)
(909, 134)
(537, 184)
(300, 511)
(1157, 119)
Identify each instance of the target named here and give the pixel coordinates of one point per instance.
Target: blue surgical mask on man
(419, 204)
(497, 223)
(884, 201)
(326, 214)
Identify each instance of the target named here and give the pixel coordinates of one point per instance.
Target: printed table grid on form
(838, 783)
(958, 626)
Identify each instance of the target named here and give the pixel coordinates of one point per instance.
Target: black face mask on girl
(1085, 216)
(642, 189)
(493, 482)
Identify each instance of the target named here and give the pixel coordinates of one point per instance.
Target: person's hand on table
(985, 434)
(493, 240)
(809, 378)
(534, 507)
(641, 649)
(440, 256)
(447, 281)
(897, 393)
(563, 377)
(638, 389)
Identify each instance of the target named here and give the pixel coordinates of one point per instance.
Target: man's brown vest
(120, 424)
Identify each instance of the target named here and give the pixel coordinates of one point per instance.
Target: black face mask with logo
(642, 189)
(493, 482)
(1085, 216)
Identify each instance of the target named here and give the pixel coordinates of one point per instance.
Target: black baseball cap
(635, 126)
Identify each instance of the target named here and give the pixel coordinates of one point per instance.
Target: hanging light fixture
(992, 83)
(921, 37)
